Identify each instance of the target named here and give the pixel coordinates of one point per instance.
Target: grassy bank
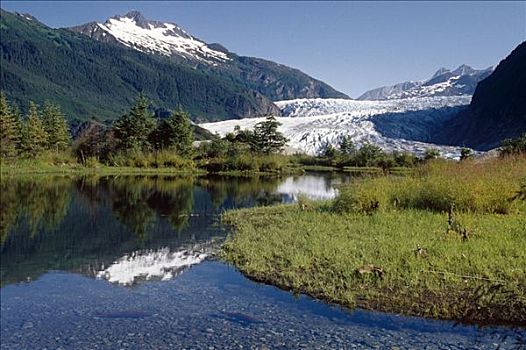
(46, 166)
(150, 163)
(390, 244)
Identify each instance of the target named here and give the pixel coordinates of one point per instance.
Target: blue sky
(353, 46)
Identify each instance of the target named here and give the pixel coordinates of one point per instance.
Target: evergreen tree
(369, 155)
(513, 146)
(34, 136)
(9, 129)
(240, 135)
(267, 139)
(133, 131)
(328, 151)
(15, 111)
(346, 145)
(175, 133)
(56, 127)
(431, 153)
(466, 153)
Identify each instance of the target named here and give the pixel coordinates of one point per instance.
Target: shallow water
(128, 262)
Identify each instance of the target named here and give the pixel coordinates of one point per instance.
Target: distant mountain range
(101, 71)
(460, 81)
(497, 110)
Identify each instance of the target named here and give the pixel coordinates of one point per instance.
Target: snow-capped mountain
(135, 31)
(310, 124)
(460, 81)
(274, 81)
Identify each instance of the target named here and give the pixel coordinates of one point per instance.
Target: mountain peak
(138, 18)
(134, 30)
(440, 72)
(136, 15)
(463, 70)
(461, 81)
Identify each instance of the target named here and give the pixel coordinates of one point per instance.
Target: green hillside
(93, 79)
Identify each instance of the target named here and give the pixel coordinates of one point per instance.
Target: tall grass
(160, 159)
(247, 162)
(469, 186)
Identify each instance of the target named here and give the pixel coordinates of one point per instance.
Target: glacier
(394, 125)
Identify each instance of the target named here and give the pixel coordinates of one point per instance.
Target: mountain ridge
(273, 80)
(93, 79)
(444, 82)
(497, 109)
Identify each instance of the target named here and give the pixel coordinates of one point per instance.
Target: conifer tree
(56, 127)
(183, 132)
(175, 133)
(267, 139)
(19, 120)
(133, 131)
(34, 136)
(346, 145)
(9, 131)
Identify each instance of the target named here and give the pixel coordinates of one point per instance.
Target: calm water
(124, 262)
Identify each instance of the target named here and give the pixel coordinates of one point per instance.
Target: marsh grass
(248, 162)
(470, 186)
(425, 268)
(64, 163)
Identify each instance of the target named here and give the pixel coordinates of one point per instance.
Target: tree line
(137, 138)
(39, 130)
(140, 139)
(138, 131)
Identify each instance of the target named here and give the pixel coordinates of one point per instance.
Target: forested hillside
(274, 81)
(93, 79)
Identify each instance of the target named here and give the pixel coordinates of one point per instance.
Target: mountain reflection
(82, 224)
(160, 264)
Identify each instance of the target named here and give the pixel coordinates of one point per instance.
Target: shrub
(272, 163)
(366, 195)
(160, 159)
(513, 146)
(91, 162)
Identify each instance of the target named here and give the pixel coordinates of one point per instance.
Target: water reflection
(41, 204)
(146, 265)
(312, 186)
(83, 224)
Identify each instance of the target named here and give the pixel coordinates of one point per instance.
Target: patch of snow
(162, 39)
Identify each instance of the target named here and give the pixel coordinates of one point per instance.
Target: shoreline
(10, 171)
(445, 242)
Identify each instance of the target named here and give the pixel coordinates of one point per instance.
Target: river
(128, 262)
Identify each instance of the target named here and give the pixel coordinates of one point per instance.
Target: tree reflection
(83, 223)
(137, 201)
(41, 201)
(240, 191)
